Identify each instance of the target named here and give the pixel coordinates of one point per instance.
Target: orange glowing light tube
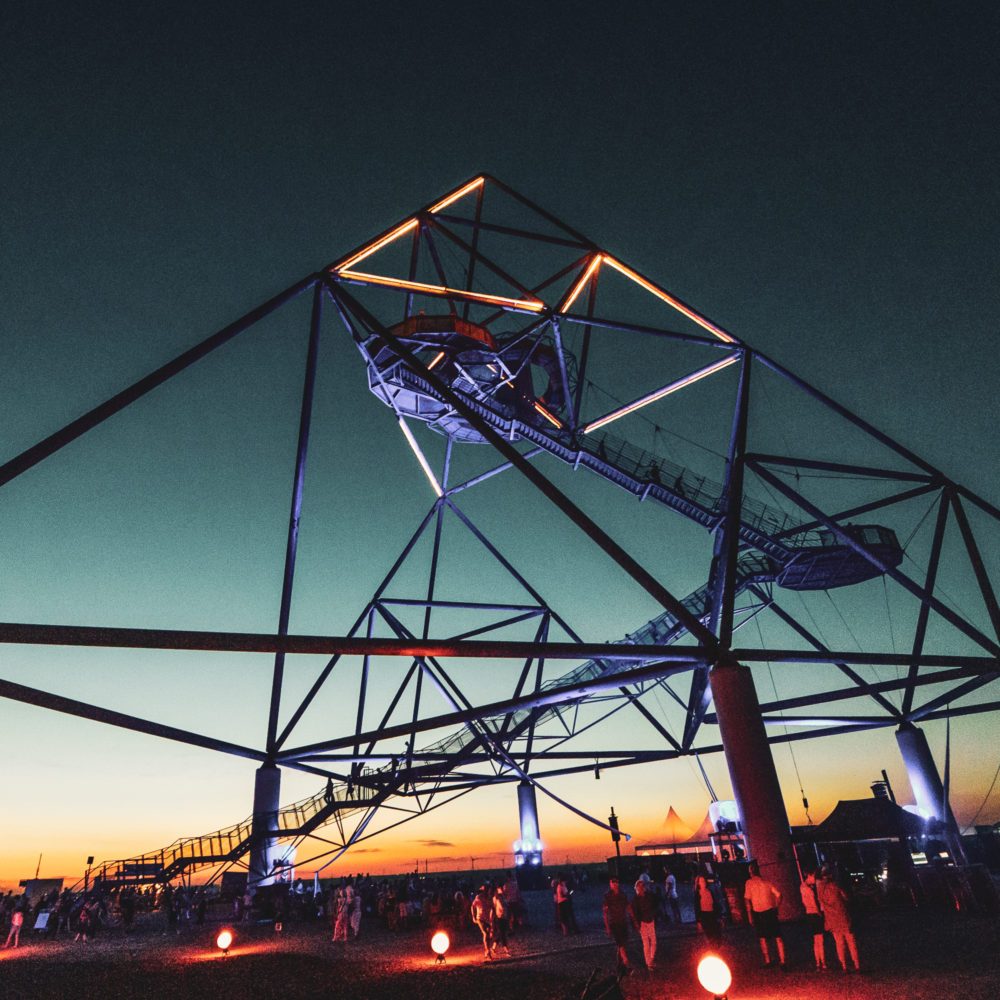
(527, 305)
(660, 393)
(555, 421)
(436, 360)
(670, 300)
(574, 293)
(389, 237)
(460, 193)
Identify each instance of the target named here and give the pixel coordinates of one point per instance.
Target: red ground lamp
(714, 976)
(224, 941)
(440, 943)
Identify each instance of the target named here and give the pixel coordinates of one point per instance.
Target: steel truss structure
(459, 313)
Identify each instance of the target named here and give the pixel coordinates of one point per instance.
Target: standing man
(705, 909)
(501, 921)
(762, 900)
(837, 916)
(643, 909)
(814, 918)
(482, 916)
(616, 912)
(515, 904)
(670, 896)
(564, 906)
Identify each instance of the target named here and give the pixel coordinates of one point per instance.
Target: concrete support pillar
(529, 847)
(266, 802)
(925, 782)
(755, 781)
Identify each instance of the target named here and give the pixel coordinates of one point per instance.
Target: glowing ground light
(224, 941)
(440, 944)
(714, 976)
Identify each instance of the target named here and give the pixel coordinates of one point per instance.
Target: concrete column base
(266, 802)
(755, 781)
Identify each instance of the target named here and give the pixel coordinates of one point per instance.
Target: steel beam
(295, 514)
(36, 453)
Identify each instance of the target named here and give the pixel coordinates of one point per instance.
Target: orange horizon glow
(396, 852)
(483, 825)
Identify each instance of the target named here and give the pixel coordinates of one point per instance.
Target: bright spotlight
(440, 944)
(224, 941)
(714, 976)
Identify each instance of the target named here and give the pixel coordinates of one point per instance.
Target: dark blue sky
(819, 178)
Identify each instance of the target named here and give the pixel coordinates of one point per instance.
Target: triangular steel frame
(647, 660)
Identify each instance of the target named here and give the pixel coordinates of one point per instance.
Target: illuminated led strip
(437, 358)
(529, 305)
(460, 193)
(660, 393)
(345, 269)
(669, 299)
(548, 416)
(377, 245)
(578, 287)
(405, 227)
(431, 478)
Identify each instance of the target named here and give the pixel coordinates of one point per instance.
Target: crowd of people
(489, 913)
(826, 903)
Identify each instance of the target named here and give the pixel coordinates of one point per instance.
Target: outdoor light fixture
(714, 976)
(548, 416)
(224, 941)
(440, 943)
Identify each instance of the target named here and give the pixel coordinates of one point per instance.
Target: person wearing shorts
(762, 900)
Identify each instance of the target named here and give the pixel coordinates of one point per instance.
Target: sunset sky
(820, 180)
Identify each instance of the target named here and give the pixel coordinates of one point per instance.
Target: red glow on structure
(714, 975)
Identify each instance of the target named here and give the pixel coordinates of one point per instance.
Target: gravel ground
(911, 955)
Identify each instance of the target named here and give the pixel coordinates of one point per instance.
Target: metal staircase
(771, 546)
